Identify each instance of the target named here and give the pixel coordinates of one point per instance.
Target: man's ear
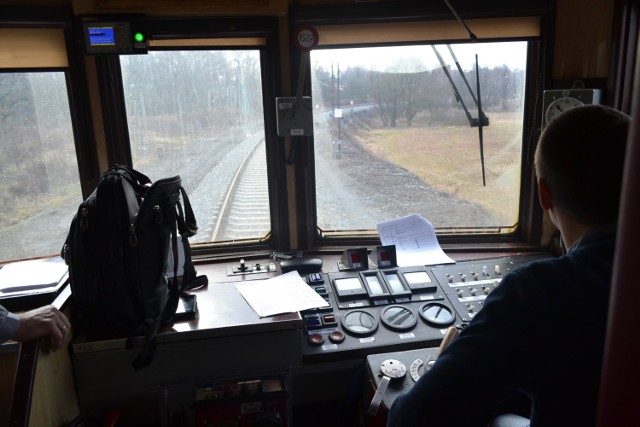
(544, 194)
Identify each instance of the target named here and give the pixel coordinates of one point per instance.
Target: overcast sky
(512, 54)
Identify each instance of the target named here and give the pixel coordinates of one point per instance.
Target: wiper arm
(473, 122)
(482, 119)
(480, 114)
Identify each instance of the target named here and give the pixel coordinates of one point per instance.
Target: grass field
(448, 159)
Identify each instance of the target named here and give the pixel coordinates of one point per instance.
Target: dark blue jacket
(542, 332)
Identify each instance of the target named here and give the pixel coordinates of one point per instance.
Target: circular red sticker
(306, 38)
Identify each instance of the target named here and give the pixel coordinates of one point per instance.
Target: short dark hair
(580, 155)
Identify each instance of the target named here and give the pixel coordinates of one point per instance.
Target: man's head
(580, 159)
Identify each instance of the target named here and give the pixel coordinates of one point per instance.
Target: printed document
(415, 241)
(286, 293)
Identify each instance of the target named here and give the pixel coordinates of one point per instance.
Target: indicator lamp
(139, 37)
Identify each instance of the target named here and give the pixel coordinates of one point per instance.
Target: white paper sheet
(415, 241)
(286, 293)
(31, 275)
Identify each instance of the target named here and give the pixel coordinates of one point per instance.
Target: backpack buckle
(84, 220)
(133, 239)
(158, 214)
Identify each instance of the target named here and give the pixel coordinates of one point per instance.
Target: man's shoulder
(539, 271)
(574, 272)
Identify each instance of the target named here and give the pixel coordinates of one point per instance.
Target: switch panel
(295, 116)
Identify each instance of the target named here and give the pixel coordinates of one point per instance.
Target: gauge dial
(437, 314)
(398, 318)
(559, 106)
(359, 323)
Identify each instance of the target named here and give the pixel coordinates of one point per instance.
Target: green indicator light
(139, 37)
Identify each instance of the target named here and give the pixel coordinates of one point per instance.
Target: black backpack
(117, 250)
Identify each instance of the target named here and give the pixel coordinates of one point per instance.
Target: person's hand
(43, 321)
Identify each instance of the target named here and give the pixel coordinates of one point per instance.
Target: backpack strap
(149, 330)
(186, 219)
(174, 291)
(188, 227)
(132, 209)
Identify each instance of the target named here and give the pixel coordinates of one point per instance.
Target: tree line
(401, 96)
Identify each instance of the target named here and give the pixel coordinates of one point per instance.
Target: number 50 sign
(306, 38)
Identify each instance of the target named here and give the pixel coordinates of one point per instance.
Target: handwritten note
(286, 293)
(415, 241)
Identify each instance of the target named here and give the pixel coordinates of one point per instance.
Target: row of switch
(473, 291)
(485, 273)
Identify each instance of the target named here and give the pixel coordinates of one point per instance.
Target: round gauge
(360, 323)
(398, 317)
(437, 314)
(559, 106)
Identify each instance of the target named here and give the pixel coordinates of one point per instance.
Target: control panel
(467, 284)
(380, 310)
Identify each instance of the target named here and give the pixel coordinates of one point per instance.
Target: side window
(39, 186)
(199, 114)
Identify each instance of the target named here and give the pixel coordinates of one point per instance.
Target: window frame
(529, 231)
(162, 29)
(75, 76)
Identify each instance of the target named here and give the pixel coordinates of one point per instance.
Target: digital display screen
(355, 258)
(417, 277)
(394, 283)
(114, 37)
(384, 256)
(348, 284)
(101, 36)
(375, 287)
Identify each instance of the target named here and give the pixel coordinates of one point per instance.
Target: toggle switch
(242, 268)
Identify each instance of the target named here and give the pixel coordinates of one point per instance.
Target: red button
(336, 336)
(316, 339)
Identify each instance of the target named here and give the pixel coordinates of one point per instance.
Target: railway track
(244, 213)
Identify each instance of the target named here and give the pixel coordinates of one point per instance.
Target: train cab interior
(378, 153)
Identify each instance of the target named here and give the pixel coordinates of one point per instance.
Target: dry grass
(448, 159)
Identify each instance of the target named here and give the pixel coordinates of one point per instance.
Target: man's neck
(571, 231)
